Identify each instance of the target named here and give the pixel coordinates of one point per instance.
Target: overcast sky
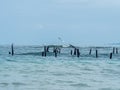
(80, 22)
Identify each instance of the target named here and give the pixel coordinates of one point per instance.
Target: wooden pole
(110, 55)
(75, 51)
(45, 51)
(116, 50)
(96, 53)
(55, 52)
(90, 52)
(71, 52)
(113, 50)
(12, 49)
(78, 53)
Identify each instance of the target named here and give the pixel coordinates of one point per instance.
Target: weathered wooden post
(116, 50)
(71, 52)
(55, 52)
(12, 50)
(78, 53)
(90, 52)
(75, 51)
(113, 50)
(47, 49)
(96, 53)
(110, 55)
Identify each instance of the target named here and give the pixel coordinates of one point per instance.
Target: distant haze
(80, 22)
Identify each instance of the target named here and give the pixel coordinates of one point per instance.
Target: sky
(78, 22)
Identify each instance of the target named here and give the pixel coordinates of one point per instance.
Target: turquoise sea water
(28, 70)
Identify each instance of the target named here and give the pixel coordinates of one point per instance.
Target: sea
(28, 70)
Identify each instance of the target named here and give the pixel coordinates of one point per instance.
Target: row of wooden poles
(75, 52)
(115, 51)
(56, 51)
